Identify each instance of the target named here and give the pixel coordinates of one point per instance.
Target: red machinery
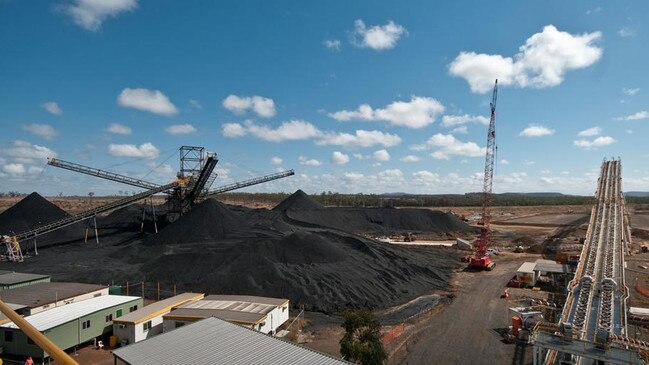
(481, 259)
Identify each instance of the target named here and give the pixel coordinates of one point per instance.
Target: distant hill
(535, 194)
(640, 194)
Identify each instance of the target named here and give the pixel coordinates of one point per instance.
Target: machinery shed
(11, 280)
(215, 341)
(146, 322)
(69, 325)
(526, 275)
(40, 297)
(260, 313)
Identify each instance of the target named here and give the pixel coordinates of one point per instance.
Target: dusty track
(465, 332)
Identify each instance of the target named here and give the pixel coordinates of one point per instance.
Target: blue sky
(369, 97)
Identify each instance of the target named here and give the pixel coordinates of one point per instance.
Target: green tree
(361, 342)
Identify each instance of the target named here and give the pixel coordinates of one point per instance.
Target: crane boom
(480, 258)
(250, 182)
(101, 173)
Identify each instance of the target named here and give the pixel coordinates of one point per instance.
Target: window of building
(283, 309)
(9, 336)
(133, 308)
(85, 324)
(121, 325)
(147, 325)
(118, 314)
(109, 317)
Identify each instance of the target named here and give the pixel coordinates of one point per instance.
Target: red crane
(481, 259)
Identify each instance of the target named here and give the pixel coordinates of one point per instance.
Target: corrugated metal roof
(198, 313)
(11, 278)
(552, 267)
(639, 311)
(69, 312)
(39, 294)
(527, 267)
(214, 341)
(247, 298)
(157, 308)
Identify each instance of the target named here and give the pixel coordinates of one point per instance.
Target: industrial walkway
(595, 311)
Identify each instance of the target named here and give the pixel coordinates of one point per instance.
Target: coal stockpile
(220, 249)
(210, 220)
(322, 270)
(297, 201)
(30, 212)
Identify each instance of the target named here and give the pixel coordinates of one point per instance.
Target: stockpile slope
(373, 220)
(322, 269)
(210, 220)
(297, 201)
(30, 212)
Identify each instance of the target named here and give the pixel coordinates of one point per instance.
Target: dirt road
(467, 331)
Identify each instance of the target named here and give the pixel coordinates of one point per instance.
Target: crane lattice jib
(101, 173)
(250, 182)
(487, 189)
(64, 222)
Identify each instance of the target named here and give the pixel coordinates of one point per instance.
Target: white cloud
(636, 116)
(153, 101)
(26, 152)
(594, 144)
(460, 130)
(195, 104)
(353, 176)
(53, 108)
(504, 162)
(541, 62)
(263, 107)
(416, 113)
(426, 177)
(410, 158)
(233, 130)
(631, 91)
(276, 160)
(626, 32)
(529, 163)
(41, 130)
(455, 120)
(339, 158)
(361, 138)
(145, 150)
(594, 10)
(309, 162)
(14, 168)
(590, 132)
(452, 146)
(333, 44)
(391, 175)
(535, 130)
(180, 129)
(287, 131)
(378, 37)
(381, 156)
(90, 14)
(119, 129)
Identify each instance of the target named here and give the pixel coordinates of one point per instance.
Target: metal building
(215, 341)
(43, 296)
(69, 325)
(259, 313)
(146, 322)
(11, 280)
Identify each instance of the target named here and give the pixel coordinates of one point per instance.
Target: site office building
(68, 325)
(146, 322)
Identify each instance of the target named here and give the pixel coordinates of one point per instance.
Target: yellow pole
(35, 335)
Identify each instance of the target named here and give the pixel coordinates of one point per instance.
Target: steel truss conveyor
(595, 309)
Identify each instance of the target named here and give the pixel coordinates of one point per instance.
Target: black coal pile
(320, 269)
(382, 220)
(297, 201)
(30, 212)
(208, 221)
